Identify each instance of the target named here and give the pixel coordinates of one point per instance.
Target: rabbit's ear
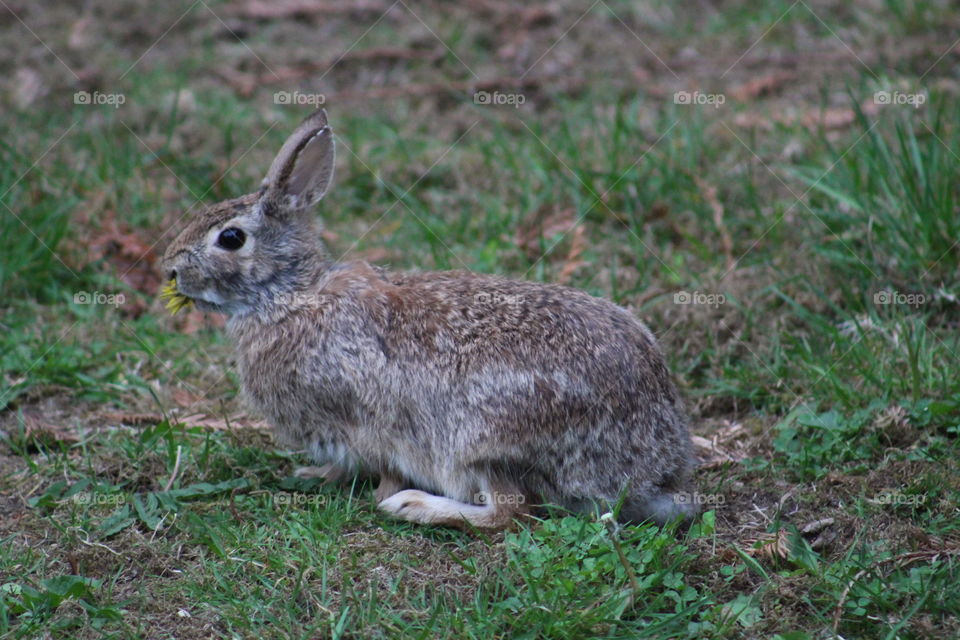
(303, 169)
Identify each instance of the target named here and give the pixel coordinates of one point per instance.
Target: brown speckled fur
(457, 385)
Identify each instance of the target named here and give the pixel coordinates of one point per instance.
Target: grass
(898, 188)
(139, 499)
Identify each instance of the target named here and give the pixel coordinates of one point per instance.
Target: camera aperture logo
(499, 98)
(896, 498)
(97, 98)
(99, 298)
(897, 297)
(914, 100)
(699, 499)
(699, 297)
(298, 98)
(495, 498)
(298, 499)
(485, 297)
(96, 498)
(300, 299)
(714, 100)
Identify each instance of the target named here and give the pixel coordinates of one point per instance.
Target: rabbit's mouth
(206, 300)
(174, 298)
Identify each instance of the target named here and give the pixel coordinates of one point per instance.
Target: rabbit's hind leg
(326, 472)
(389, 485)
(498, 510)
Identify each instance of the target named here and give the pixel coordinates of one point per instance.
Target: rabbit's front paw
(424, 508)
(411, 505)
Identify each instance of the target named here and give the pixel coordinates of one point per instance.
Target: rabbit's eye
(231, 239)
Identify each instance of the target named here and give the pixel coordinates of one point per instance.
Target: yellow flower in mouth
(175, 299)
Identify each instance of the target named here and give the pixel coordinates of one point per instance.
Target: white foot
(424, 508)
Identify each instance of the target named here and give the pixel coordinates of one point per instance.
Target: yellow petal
(175, 300)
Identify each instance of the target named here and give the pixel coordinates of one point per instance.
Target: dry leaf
(723, 447)
(79, 37)
(129, 252)
(265, 9)
(133, 419)
(536, 16)
(193, 420)
(753, 120)
(46, 433)
(543, 226)
(573, 262)
(762, 86)
(376, 254)
(27, 86)
(817, 525)
(223, 424)
(184, 398)
(829, 118)
(641, 75)
(772, 546)
(726, 242)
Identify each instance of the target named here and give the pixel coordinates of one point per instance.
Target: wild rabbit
(473, 397)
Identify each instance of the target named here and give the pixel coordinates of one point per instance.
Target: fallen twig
(267, 10)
